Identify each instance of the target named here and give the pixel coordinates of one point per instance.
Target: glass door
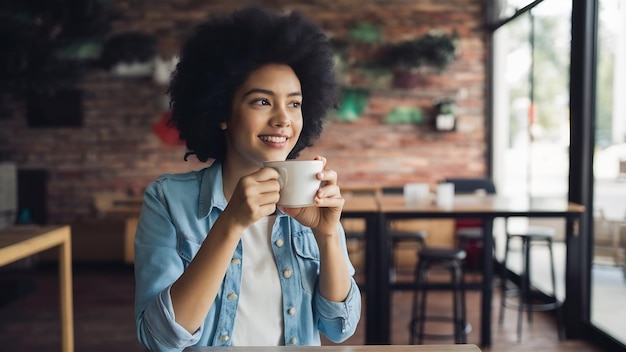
(608, 271)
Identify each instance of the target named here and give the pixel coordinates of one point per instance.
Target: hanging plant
(46, 45)
(353, 103)
(365, 60)
(435, 49)
(129, 53)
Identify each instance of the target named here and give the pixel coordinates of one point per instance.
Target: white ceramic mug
(445, 195)
(298, 181)
(416, 193)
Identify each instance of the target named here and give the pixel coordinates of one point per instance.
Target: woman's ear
(223, 126)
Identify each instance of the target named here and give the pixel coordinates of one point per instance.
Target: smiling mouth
(273, 139)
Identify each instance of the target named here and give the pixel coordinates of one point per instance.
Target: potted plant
(129, 54)
(413, 60)
(434, 49)
(445, 116)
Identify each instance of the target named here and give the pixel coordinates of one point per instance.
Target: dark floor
(103, 315)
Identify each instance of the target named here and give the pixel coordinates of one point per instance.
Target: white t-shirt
(259, 319)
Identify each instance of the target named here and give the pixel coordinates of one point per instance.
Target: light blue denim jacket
(177, 213)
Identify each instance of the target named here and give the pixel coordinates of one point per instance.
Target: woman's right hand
(254, 197)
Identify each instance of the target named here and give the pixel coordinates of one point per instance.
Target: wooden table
(342, 348)
(487, 208)
(22, 241)
(360, 205)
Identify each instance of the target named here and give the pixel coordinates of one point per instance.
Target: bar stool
(527, 297)
(396, 238)
(452, 260)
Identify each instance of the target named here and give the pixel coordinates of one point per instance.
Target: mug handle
(282, 177)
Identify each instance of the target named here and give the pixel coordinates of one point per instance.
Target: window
(531, 102)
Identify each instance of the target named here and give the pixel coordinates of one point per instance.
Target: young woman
(217, 262)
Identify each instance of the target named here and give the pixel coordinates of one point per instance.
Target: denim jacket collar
(211, 190)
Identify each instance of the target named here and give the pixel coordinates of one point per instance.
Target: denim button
(287, 273)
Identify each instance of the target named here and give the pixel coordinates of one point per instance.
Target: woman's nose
(280, 118)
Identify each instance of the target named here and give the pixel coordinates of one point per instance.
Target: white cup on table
(416, 193)
(445, 195)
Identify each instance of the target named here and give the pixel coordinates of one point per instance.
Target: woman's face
(266, 118)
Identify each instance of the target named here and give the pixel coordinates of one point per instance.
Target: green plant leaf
(434, 49)
(366, 33)
(404, 115)
(353, 103)
(84, 50)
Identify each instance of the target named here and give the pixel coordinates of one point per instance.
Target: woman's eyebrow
(269, 92)
(258, 90)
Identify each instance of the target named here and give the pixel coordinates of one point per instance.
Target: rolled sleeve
(165, 333)
(338, 320)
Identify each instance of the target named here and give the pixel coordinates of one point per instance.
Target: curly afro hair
(223, 51)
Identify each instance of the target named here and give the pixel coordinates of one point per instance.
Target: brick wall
(116, 150)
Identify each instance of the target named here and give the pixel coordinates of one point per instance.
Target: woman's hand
(255, 196)
(323, 217)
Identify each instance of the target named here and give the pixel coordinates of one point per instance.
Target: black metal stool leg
(455, 302)
(459, 300)
(414, 309)
(463, 308)
(414, 314)
(529, 293)
(559, 312)
(422, 316)
(503, 279)
(523, 295)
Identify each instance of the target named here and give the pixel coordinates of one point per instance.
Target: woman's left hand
(323, 217)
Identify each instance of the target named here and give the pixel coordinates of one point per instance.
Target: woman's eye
(261, 101)
(296, 104)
